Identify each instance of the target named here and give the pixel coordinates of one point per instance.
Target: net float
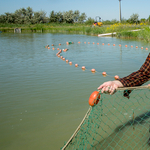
(76, 65)
(67, 60)
(94, 98)
(57, 48)
(102, 43)
(146, 48)
(53, 48)
(119, 44)
(131, 45)
(141, 47)
(104, 73)
(108, 44)
(113, 44)
(59, 43)
(63, 58)
(136, 46)
(126, 45)
(48, 47)
(116, 77)
(83, 67)
(97, 43)
(70, 63)
(52, 44)
(93, 70)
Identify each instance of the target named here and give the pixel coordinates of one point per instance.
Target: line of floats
(83, 67)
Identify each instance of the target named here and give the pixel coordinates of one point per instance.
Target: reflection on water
(42, 98)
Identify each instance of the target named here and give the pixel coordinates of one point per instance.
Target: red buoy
(94, 98)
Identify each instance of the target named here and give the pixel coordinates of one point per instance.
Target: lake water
(42, 98)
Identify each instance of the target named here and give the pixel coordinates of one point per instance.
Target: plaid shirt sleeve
(139, 77)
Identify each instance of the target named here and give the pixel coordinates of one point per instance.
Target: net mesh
(118, 121)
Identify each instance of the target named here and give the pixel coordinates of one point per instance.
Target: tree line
(28, 16)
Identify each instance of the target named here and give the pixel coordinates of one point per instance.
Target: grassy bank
(123, 30)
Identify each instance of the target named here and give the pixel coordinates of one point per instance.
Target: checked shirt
(139, 77)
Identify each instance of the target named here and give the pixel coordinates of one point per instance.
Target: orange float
(126, 45)
(93, 43)
(57, 48)
(79, 42)
(63, 58)
(84, 42)
(52, 44)
(48, 47)
(108, 44)
(113, 44)
(76, 65)
(102, 43)
(136, 46)
(53, 48)
(88, 42)
(146, 48)
(70, 63)
(93, 70)
(116, 77)
(97, 43)
(141, 47)
(83, 67)
(58, 55)
(94, 98)
(104, 73)
(67, 60)
(131, 45)
(119, 44)
(59, 43)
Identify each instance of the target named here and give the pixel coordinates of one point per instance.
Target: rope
(78, 128)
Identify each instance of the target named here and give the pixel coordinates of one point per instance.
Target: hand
(110, 86)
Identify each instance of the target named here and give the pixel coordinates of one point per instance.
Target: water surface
(42, 98)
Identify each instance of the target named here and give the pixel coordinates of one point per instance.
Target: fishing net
(118, 121)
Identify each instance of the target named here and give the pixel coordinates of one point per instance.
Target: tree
(59, 17)
(90, 21)
(76, 15)
(68, 16)
(52, 17)
(134, 18)
(82, 17)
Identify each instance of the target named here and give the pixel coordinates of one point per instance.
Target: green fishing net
(118, 121)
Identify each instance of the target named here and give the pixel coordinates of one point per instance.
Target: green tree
(134, 18)
(52, 17)
(89, 21)
(68, 16)
(82, 17)
(76, 15)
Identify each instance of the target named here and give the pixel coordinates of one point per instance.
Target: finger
(101, 86)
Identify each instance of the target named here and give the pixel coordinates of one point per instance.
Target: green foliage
(89, 21)
(134, 18)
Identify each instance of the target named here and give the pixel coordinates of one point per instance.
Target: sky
(106, 9)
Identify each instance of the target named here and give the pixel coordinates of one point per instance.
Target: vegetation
(73, 22)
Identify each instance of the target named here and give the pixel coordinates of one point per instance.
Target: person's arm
(139, 77)
(134, 79)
